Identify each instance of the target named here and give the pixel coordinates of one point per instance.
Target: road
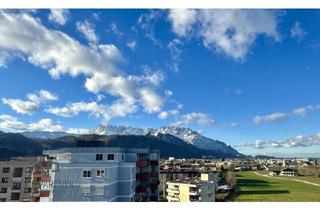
(297, 180)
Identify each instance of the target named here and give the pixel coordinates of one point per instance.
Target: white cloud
(277, 116)
(182, 20)
(12, 124)
(60, 55)
(194, 117)
(165, 114)
(230, 32)
(77, 130)
(147, 23)
(88, 30)
(303, 111)
(32, 105)
(59, 16)
(296, 141)
(132, 44)
(175, 52)
(114, 28)
(297, 32)
(106, 112)
(151, 101)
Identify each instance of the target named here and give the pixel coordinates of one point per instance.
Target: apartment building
(20, 179)
(192, 190)
(101, 174)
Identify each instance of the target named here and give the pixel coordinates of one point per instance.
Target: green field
(252, 187)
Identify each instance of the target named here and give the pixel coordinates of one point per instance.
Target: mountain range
(171, 141)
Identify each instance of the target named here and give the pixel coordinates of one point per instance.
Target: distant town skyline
(249, 78)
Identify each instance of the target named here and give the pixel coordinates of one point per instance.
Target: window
(99, 156)
(4, 180)
(122, 156)
(85, 190)
(5, 170)
(27, 180)
(27, 190)
(17, 172)
(99, 190)
(3, 190)
(29, 170)
(16, 185)
(86, 174)
(3, 200)
(100, 173)
(110, 156)
(15, 196)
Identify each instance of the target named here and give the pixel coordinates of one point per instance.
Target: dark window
(16, 185)
(99, 156)
(15, 196)
(27, 180)
(4, 180)
(17, 172)
(86, 174)
(3, 190)
(3, 200)
(110, 156)
(122, 156)
(5, 170)
(27, 190)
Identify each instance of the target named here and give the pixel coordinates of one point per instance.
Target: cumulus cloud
(88, 30)
(32, 105)
(182, 20)
(12, 124)
(194, 117)
(61, 55)
(117, 109)
(77, 131)
(277, 116)
(59, 16)
(296, 141)
(297, 32)
(230, 32)
(303, 111)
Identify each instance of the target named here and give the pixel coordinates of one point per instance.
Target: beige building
(195, 190)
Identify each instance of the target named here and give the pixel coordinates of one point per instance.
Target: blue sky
(247, 77)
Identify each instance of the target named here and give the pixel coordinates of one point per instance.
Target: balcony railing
(141, 189)
(154, 162)
(154, 174)
(142, 163)
(144, 175)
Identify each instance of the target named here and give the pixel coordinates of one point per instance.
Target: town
(93, 172)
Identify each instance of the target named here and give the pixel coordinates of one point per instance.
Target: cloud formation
(62, 55)
(12, 124)
(32, 105)
(88, 30)
(59, 16)
(296, 141)
(274, 117)
(297, 32)
(230, 32)
(194, 117)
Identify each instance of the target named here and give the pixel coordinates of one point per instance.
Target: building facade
(196, 190)
(101, 174)
(20, 179)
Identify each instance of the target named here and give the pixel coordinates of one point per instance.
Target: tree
(231, 178)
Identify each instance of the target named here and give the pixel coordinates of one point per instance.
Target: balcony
(144, 175)
(141, 189)
(154, 174)
(154, 163)
(174, 199)
(194, 193)
(173, 190)
(142, 163)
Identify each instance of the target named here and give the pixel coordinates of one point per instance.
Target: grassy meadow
(252, 187)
